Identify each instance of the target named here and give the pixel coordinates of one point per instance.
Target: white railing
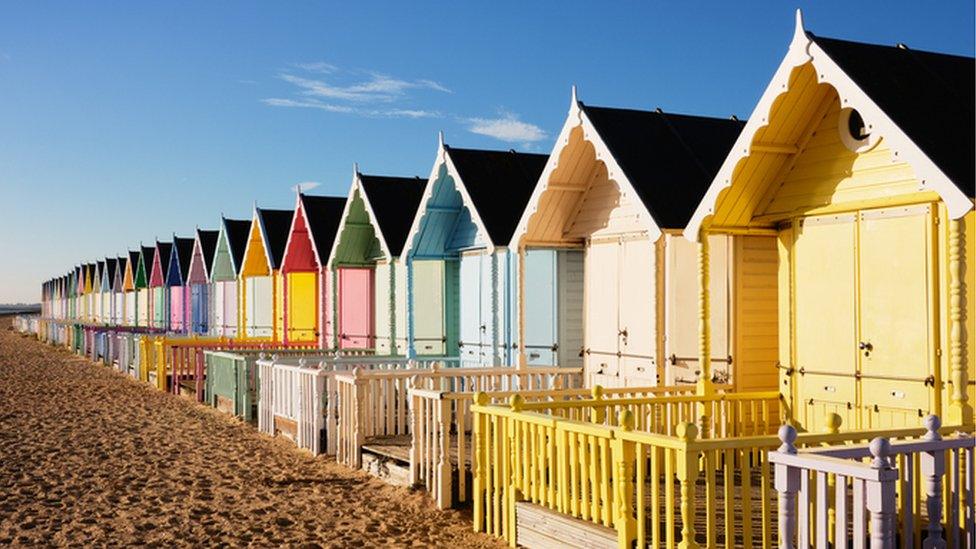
(879, 494)
(301, 395)
(375, 404)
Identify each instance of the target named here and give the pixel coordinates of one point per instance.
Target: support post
(881, 497)
(787, 484)
(932, 466)
(960, 409)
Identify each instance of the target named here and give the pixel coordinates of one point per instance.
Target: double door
(864, 309)
(620, 314)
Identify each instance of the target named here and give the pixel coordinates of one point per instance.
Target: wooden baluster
(623, 458)
(787, 483)
(687, 474)
(442, 427)
(478, 434)
(932, 468)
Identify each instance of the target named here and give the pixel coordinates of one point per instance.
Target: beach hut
(224, 272)
(308, 280)
(198, 278)
(108, 291)
(89, 292)
(459, 264)
(98, 293)
(159, 291)
(856, 174)
(118, 293)
(261, 290)
(177, 274)
(371, 280)
(131, 313)
(144, 296)
(620, 186)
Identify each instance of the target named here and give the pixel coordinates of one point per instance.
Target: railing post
(687, 472)
(415, 431)
(597, 412)
(511, 491)
(443, 448)
(479, 432)
(624, 458)
(787, 483)
(881, 498)
(932, 465)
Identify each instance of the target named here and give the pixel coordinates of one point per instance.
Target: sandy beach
(90, 457)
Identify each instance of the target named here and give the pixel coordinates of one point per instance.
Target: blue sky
(124, 121)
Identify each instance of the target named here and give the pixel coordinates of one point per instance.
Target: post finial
(880, 448)
(787, 435)
(687, 432)
(597, 392)
(833, 423)
(301, 363)
(626, 420)
(515, 403)
(932, 424)
(481, 398)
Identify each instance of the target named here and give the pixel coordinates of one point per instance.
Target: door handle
(865, 346)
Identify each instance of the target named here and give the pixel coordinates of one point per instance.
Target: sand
(89, 456)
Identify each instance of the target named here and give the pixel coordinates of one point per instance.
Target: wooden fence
(618, 469)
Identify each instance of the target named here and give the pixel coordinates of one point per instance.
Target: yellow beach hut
(620, 186)
(261, 302)
(857, 166)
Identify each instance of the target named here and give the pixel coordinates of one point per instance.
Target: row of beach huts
(673, 329)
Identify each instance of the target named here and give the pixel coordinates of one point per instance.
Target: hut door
(355, 308)
(541, 313)
(260, 297)
(473, 330)
(176, 308)
(382, 308)
(636, 331)
(601, 301)
(894, 344)
(825, 301)
(681, 308)
(428, 307)
(230, 308)
(302, 309)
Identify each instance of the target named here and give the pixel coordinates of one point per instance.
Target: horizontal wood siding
(756, 331)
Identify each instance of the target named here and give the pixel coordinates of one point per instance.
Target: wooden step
(537, 526)
(389, 470)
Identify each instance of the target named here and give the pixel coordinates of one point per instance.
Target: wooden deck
(397, 447)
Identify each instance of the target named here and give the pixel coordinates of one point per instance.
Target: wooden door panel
(259, 298)
(470, 307)
(428, 307)
(637, 313)
(824, 266)
(894, 299)
(302, 311)
(601, 296)
(355, 308)
(541, 320)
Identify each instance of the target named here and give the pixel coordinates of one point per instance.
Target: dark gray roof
(237, 232)
(395, 201)
(324, 213)
(208, 246)
(930, 96)
(183, 248)
(500, 184)
(670, 159)
(276, 225)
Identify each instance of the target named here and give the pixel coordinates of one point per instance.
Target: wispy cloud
(506, 127)
(346, 109)
(305, 186)
(326, 87)
(316, 66)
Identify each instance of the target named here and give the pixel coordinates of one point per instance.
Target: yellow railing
(614, 463)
